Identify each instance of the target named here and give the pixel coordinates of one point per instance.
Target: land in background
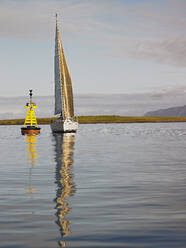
(102, 119)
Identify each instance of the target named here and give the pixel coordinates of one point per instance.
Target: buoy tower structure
(30, 124)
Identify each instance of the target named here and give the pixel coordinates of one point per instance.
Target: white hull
(64, 126)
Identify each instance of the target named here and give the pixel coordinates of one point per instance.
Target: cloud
(171, 52)
(150, 30)
(24, 20)
(36, 18)
(99, 104)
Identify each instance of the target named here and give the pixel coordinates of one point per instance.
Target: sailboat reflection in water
(32, 158)
(64, 180)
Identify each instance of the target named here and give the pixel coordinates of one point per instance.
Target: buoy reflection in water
(32, 159)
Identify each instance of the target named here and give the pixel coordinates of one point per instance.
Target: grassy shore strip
(103, 119)
(127, 119)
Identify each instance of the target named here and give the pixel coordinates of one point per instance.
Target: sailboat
(64, 106)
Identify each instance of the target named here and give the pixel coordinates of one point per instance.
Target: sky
(97, 104)
(111, 46)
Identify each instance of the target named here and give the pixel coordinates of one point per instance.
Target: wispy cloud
(100, 104)
(140, 33)
(153, 18)
(171, 52)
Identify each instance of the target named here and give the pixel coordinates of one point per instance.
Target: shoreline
(102, 119)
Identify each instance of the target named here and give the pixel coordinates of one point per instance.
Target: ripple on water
(110, 185)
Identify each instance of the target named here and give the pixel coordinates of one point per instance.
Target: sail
(57, 75)
(63, 84)
(68, 105)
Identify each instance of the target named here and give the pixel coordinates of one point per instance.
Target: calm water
(112, 185)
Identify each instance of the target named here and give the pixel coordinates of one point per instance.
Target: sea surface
(110, 185)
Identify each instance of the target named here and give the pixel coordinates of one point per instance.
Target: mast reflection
(64, 179)
(32, 158)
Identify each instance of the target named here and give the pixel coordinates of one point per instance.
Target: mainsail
(63, 85)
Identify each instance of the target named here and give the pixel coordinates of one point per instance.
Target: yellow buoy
(30, 124)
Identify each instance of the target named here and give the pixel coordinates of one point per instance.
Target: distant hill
(173, 112)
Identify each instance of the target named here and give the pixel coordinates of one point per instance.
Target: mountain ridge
(179, 111)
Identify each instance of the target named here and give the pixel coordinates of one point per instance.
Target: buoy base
(30, 130)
